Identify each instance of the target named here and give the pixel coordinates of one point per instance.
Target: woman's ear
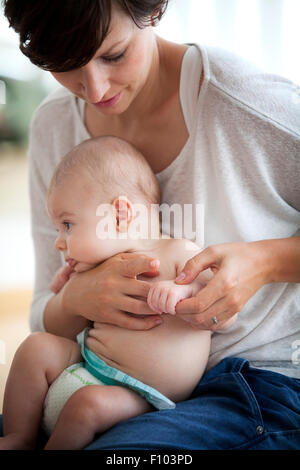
(123, 213)
(156, 17)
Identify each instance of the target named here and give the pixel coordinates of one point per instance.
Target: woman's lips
(108, 103)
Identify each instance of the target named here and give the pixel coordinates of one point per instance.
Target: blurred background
(265, 32)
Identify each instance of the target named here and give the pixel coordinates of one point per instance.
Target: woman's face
(118, 71)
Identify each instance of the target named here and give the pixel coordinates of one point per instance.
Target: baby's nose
(60, 243)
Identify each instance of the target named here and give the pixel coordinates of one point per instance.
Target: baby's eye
(67, 225)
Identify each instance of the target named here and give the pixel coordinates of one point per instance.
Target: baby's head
(108, 177)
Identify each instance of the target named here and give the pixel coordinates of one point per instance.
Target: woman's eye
(115, 58)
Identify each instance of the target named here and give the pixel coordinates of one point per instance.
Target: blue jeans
(234, 406)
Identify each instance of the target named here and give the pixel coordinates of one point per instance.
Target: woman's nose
(60, 243)
(95, 82)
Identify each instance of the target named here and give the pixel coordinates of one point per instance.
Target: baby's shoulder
(184, 245)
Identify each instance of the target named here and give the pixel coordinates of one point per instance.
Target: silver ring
(215, 320)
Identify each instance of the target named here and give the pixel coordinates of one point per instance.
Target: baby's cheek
(86, 250)
(79, 252)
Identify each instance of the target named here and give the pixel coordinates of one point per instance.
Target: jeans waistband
(227, 365)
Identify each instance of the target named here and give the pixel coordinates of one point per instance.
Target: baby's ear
(123, 213)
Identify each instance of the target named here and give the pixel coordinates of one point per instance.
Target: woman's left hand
(239, 269)
(61, 276)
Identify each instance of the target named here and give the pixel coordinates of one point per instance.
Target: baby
(92, 200)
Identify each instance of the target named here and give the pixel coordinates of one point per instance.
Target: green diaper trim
(112, 376)
(84, 382)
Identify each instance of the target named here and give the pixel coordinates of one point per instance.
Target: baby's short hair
(113, 163)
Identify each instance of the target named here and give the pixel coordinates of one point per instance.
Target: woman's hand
(60, 278)
(110, 292)
(240, 269)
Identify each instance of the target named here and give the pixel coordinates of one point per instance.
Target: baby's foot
(14, 442)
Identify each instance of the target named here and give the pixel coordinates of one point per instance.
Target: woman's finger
(140, 290)
(206, 322)
(132, 265)
(136, 287)
(216, 289)
(212, 319)
(136, 306)
(124, 320)
(204, 260)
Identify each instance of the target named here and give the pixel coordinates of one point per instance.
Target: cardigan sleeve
(47, 259)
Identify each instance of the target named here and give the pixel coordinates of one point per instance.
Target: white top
(240, 168)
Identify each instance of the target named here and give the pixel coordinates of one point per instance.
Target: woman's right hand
(108, 293)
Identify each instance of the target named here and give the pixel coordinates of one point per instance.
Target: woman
(220, 135)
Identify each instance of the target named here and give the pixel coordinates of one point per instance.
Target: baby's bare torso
(170, 357)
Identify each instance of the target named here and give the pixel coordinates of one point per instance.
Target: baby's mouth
(71, 262)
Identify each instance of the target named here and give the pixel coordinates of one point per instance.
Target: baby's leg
(94, 409)
(36, 364)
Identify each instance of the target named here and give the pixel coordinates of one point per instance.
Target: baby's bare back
(171, 357)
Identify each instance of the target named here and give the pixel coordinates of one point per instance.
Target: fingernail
(158, 322)
(181, 277)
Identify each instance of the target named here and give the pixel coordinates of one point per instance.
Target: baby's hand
(61, 276)
(164, 295)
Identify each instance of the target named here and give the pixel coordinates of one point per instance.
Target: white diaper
(71, 379)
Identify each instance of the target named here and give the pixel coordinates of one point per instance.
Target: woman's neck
(162, 83)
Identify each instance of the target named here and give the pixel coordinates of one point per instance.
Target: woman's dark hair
(62, 35)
